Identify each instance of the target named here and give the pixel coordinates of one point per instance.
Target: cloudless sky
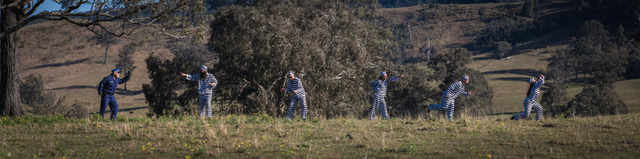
(49, 5)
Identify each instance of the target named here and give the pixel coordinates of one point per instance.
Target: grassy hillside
(260, 136)
(71, 62)
(460, 25)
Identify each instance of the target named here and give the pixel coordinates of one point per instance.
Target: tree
(125, 61)
(501, 48)
(15, 14)
(449, 66)
(161, 93)
(596, 100)
(105, 40)
(331, 46)
(527, 8)
(555, 99)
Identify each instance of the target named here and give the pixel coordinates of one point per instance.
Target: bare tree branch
(14, 4)
(91, 24)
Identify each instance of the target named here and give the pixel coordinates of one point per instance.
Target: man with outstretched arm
(448, 97)
(107, 90)
(206, 83)
(379, 87)
(294, 85)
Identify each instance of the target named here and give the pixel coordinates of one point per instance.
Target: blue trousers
(109, 99)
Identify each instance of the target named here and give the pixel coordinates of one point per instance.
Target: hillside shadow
(524, 79)
(128, 93)
(66, 63)
(528, 72)
(74, 87)
(121, 110)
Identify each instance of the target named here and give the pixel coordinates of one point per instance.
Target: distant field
(260, 136)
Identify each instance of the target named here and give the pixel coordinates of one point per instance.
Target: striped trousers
(294, 102)
(205, 105)
(380, 104)
(449, 105)
(528, 105)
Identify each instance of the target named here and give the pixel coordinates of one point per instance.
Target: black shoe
(429, 108)
(513, 117)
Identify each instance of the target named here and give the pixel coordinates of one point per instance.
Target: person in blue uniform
(107, 90)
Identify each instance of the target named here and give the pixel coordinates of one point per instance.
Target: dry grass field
(261, 136)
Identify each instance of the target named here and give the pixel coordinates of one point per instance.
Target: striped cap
(290, 72)
(465, 77)
(115, 70)
(203, 67)
(383, 73)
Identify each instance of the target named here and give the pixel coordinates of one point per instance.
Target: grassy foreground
(261, 136)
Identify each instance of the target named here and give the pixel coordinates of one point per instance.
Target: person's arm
(463, 92)
(374, 85)
(125, 79)
(214, 81)
(539, 83)
(287, 88)
(394, 79)
(191, 77)
(299, 85)
(100, 87)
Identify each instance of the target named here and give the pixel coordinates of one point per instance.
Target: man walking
(379, 87)
(448, 97)
(206, 83)
(294, 85)
(107, 89)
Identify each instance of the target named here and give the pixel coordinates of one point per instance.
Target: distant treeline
(407, 3)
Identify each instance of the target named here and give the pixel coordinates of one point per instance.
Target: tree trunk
(125, 83)
(105, 54)
(10, 80)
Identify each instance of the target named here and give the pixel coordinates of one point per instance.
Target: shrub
(79, 110)
(596, 100)
(38, 101)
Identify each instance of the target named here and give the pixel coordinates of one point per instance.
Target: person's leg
(450, 109)
(292, 107)
(208, 105)
(538, 109)
(527, 111)
(374, 106)
(113, 104)
(383, 108)
(303, 107)
(201, 105)
(104, 101)
(438, 107)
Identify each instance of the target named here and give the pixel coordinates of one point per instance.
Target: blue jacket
(108, 84)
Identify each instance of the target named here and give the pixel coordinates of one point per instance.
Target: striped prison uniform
(531, 102)
(379, 92)
(205, 91)
(297, 96)
(452, 92)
